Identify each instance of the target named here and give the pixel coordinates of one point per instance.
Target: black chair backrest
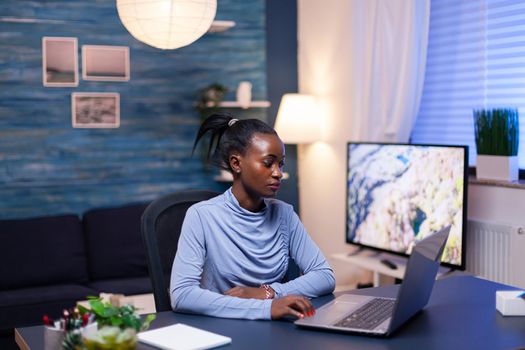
(161, 226)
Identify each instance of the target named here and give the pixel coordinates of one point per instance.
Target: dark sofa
(49, 263)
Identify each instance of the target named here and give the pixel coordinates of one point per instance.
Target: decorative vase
(244, 94)
(502, 168)
(110, 338)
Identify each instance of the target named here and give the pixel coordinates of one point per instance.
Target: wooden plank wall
(47, 167)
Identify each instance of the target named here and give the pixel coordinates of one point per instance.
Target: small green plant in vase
(497, 141)
(209, 98)
(116, 327)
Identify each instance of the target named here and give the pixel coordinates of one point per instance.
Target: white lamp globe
(167, 24)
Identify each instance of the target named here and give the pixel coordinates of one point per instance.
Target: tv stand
(371, 260)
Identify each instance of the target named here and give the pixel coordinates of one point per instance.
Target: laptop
(379, 316)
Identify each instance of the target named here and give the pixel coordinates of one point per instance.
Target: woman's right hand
(292, 305)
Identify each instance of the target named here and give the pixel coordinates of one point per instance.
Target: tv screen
(397, 194)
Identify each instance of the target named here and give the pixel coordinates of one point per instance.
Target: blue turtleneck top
(223, 245)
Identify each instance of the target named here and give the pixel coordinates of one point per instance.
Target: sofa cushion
(126, 286)
(114, 242)
(26, 306)
(42, 251)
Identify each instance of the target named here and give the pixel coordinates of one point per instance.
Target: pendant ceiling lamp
(167, 24)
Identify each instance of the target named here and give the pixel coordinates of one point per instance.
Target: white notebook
(182, 337)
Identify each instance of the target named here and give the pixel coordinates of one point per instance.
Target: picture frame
(95, 109)
(105, 63)
(59, 61)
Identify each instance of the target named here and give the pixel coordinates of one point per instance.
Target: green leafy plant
(115, 328)
(497, 131)
(122, 317)
(208, 99)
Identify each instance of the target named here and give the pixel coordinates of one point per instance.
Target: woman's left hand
(246, 292)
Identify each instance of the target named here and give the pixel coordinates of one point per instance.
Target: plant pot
(110, 338)
(502, 168)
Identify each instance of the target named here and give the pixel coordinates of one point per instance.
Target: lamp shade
(298, 119)
(167, 24)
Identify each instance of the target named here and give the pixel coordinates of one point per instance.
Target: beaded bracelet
(269, 292)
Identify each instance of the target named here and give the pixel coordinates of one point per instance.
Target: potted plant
(497, 139)
(114, 328)
(208, 99)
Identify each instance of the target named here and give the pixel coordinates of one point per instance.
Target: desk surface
(461, 314)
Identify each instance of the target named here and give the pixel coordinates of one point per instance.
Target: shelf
(235, 104)
(220, 26)
(224, 176)
(228, 177)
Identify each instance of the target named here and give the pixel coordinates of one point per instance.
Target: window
(476, 58)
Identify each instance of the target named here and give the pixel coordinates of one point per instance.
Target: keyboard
(368, 316)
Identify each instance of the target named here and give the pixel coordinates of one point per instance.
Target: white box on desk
(509, 303)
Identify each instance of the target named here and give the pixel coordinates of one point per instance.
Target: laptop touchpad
(339, 308)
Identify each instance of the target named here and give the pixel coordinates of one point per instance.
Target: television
(397, 194)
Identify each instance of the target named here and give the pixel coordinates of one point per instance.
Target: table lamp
(298, 119)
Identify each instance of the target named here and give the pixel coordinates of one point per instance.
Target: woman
(234, 249)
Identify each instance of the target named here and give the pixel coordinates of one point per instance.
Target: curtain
(389, 46)
(354, 55)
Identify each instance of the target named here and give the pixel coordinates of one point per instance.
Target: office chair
(161, 226)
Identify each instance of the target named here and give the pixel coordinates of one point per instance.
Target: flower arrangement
(497, 131)
(114, 327)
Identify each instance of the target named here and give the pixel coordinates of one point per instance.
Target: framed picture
(106, 63)
(95, 110)
(59, 61)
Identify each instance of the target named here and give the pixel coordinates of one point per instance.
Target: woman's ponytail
(227, 135)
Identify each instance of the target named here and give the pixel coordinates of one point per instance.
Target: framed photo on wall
(105, 63)
(95, 109)
(59, 61)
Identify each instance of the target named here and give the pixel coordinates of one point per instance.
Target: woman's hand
(246, 292)
(292, 305)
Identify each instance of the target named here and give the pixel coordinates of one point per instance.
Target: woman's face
(260, 169)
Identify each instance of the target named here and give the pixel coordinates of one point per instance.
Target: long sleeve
(185, 290)
(318, 278)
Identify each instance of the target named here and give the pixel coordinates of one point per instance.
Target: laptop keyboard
(370, 315)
